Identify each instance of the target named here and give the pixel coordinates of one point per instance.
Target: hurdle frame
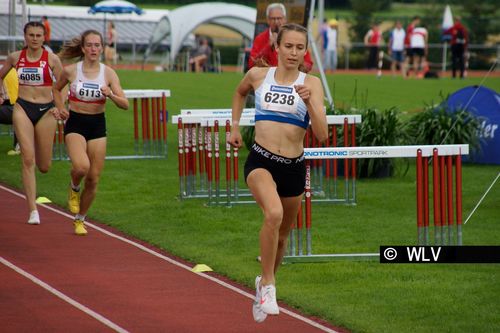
(150, 118)
(441, 155)
(206, 122)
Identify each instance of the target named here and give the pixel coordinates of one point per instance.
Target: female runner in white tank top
(286, 100)
(91, 83)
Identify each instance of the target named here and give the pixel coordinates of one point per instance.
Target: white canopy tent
(179, 23)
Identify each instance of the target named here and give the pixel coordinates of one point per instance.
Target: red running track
(54, 281)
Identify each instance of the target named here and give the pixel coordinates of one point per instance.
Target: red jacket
(458, 34)
(409, 31)
(262, 49)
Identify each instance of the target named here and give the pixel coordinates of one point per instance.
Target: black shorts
(34, 111)
(90, 126)
(6, 110)
(289, 174)
(418, 51)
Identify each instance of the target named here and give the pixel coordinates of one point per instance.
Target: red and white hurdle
(200, 173)
(150, 118)
(447, 217)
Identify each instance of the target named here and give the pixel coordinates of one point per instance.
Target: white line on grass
(62, 296)
(179, 264)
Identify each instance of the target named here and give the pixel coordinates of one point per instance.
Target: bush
(377, 128)
(433, 126)
(437, 125)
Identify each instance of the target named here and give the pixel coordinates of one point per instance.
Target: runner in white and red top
(409, 55)
(91, 84)
(419, 45)
(34, 115)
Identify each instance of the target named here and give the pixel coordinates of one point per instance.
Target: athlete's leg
(263, 188)
(393, 67)
(76, 146)
(96, 151)
(417, 63)
(26, 137)
(402, 68)
(45, 130)
(291, 206)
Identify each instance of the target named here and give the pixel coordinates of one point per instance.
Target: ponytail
(73, 48)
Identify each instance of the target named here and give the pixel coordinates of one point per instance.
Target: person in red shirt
(35, 115)
(373, 40)
(459, 41)
(263, 53)
(46, 24)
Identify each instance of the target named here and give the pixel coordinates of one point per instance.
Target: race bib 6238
(279, 98)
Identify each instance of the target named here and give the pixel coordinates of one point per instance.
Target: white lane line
(179, 264)
(62, 296)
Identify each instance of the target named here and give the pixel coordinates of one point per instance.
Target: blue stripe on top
(300, 118)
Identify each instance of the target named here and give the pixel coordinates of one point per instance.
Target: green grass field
(140, 198)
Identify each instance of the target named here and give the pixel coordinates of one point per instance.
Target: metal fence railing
(479, 55)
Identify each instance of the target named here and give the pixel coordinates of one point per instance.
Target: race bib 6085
(31, 76)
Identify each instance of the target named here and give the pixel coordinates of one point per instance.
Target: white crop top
(87, 90)
(280, 103)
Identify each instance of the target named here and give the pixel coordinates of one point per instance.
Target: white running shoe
(258, 315)
(268, 300)
(34, 218)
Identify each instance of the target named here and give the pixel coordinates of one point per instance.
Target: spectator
(409, 56)
(373, 40)
(111, 39)
(8, 97)
(419, 47)
(48, 29)
(396, 48)
(201, 56)
(321, 38)
(459, 41)
(263, 53)
(330, 54)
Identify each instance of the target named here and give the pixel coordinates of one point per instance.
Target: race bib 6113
(87, 91)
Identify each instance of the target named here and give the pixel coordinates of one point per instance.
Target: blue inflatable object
(484, 103)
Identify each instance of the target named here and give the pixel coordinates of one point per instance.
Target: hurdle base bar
(118, 157)
(331, 257)
(133, 157)
(346, 202)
